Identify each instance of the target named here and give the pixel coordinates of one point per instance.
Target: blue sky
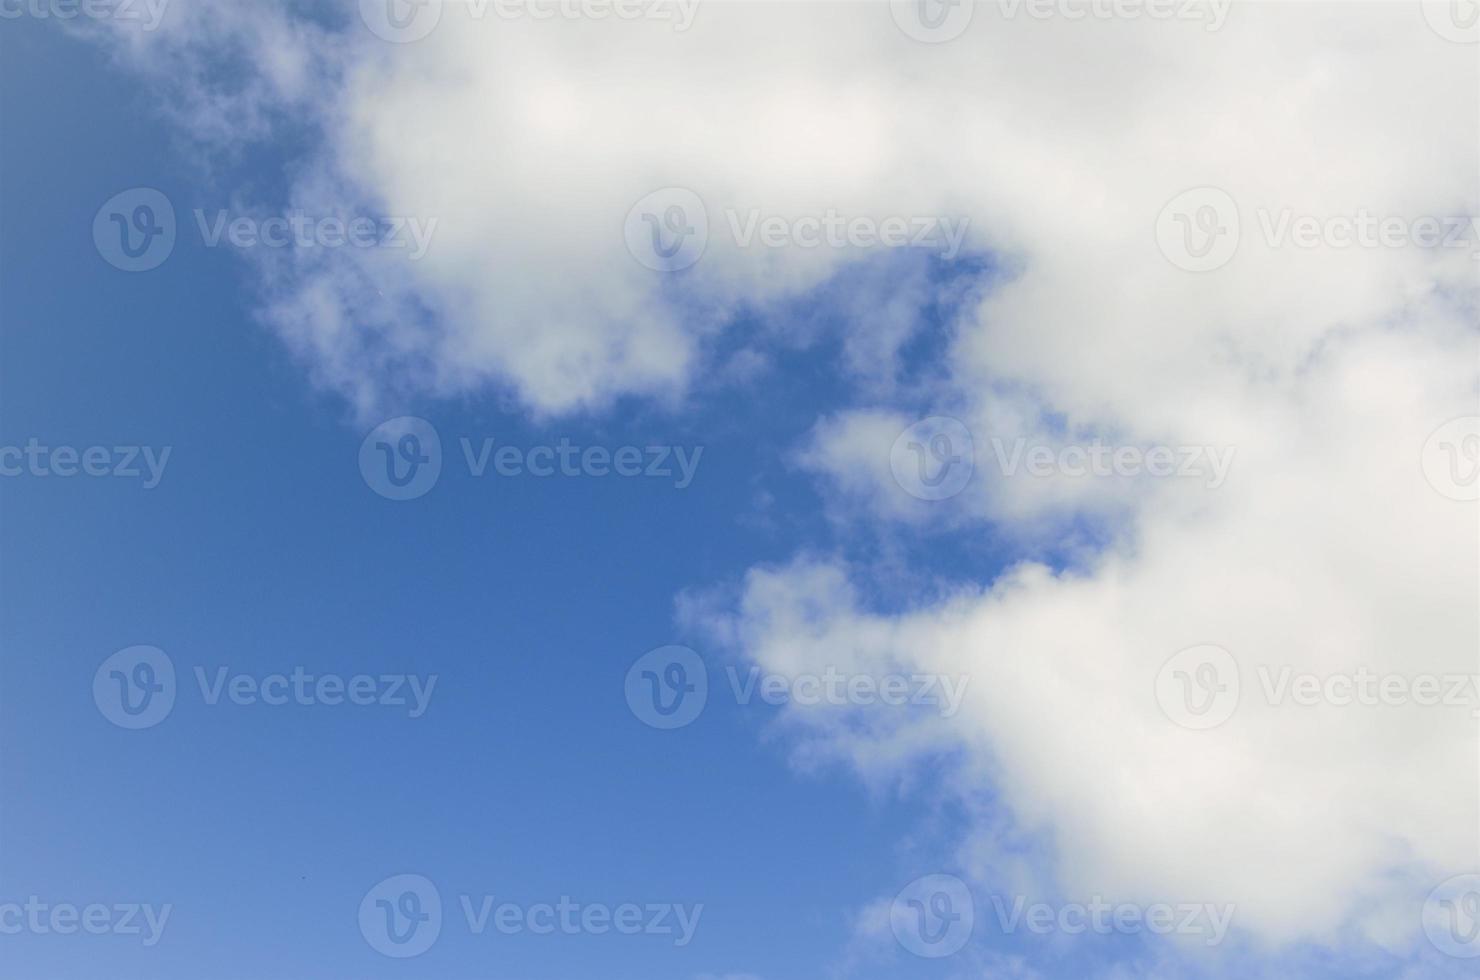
(529, 777)
(262, 549)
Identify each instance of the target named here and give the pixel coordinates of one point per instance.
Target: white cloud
(1061, 141)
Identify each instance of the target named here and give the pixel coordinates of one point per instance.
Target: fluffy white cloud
(1057, 143)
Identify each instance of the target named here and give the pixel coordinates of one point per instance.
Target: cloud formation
(1094, 315)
